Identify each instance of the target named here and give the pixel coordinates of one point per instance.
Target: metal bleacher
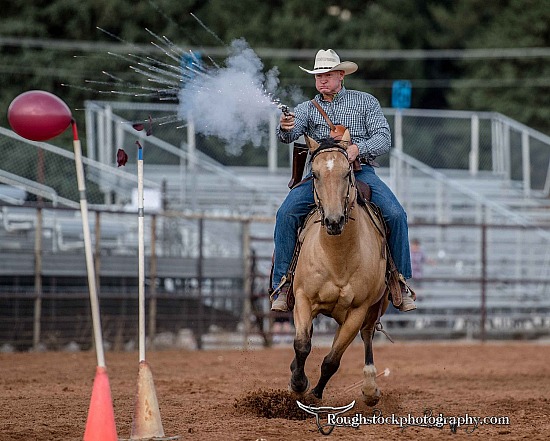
(447, 211)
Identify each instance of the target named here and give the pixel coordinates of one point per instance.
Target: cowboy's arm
(377, 139)
(299, 127)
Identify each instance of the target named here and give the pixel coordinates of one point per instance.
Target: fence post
(97, 252)
(247, 282)
(200, 281)
(398, 170)
(37, 280)
(152, 284)
(474, 145)
(272, 152)
(483, 318)
(526, 163)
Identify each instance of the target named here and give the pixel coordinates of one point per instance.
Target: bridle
(351, 182)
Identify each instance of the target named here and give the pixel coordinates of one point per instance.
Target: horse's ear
(312, 145)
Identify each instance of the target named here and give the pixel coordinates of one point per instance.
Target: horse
(340, 270)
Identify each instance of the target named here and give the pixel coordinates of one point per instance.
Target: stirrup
(407, 287)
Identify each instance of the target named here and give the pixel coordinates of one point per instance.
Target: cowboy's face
(329, 83)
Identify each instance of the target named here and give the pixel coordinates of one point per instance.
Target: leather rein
(351, 183)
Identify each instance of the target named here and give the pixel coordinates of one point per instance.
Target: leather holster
(299, 157)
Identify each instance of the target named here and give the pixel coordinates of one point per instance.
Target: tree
(516, 87)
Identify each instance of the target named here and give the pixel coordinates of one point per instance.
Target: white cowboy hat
(327, 61)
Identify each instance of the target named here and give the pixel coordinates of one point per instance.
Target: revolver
(284, 109)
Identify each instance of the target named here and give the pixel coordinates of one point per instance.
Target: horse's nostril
(334, 228)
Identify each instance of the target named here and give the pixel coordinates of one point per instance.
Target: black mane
(327, 143)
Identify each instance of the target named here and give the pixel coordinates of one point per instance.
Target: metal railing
(480, 280)
(473, 141)
(55, 167)
(194, 181)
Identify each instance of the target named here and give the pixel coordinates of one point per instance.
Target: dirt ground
(241, 395)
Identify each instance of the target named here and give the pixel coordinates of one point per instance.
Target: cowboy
(360, 112)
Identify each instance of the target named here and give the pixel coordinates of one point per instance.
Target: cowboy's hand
(287, 122)
(353, 152)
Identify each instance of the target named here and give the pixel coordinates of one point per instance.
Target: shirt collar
(337, 97)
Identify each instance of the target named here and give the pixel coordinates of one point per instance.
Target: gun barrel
(284, 109)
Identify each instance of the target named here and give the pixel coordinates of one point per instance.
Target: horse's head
(333, 181)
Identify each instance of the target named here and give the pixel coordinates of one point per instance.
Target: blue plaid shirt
(359, 111)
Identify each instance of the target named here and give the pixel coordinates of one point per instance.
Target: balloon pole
(98, 339)
(141, 256)
(100, 424)
(146, 422)
(39, 115)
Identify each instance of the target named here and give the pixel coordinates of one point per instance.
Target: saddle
(393, 278)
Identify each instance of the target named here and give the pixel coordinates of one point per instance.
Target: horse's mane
(327, 143)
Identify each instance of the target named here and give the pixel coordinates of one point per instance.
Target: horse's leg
(345, 335)
(302, 345)
(370, 391)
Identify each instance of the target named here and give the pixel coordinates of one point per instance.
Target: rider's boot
(279, 298)
(408, 297)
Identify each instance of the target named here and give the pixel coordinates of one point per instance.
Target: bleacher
(450, 211)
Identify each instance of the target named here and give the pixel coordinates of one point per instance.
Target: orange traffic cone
(100, 425)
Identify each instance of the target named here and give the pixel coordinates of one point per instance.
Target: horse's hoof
(291, 389)
(312, 398)
(372, 400)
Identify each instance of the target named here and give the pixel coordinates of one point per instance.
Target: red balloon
(38, 115)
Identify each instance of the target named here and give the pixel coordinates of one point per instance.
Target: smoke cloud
(233, 102)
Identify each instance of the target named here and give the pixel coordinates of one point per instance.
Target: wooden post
(474, 145)
(200, 272)
(97, 251)
(37, 280)
(247, 282)
(483, 317)
(152, 284)
(526, 163)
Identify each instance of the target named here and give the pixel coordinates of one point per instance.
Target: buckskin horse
(340, 270)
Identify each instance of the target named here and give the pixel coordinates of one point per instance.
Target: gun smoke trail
(232, 101)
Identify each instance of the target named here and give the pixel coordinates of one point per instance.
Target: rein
(347, 206)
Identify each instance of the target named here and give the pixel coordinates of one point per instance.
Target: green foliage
(517, 87)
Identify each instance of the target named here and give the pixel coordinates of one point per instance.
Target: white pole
(398, 176)
(96, 321)
(141, 257)
(272, 152)
(192, 161)
(474, 145)
(526, 163)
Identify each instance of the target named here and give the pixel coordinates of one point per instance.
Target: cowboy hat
(327, 61)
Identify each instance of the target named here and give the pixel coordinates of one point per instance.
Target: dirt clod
(273, 403)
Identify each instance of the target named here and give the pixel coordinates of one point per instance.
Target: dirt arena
(241, 395)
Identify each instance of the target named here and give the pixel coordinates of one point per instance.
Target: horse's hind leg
(302, 346)
(347, 332)
(370, 391)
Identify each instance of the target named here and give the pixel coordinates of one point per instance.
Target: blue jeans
(299, 202)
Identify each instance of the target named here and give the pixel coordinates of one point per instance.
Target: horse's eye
(315, 175)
